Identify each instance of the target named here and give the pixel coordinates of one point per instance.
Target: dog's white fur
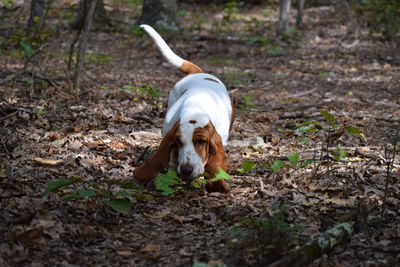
(201, 97)
(172, 58)
(198, 97)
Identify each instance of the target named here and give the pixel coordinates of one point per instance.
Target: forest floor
(280, 88)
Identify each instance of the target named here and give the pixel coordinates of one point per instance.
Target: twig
(82, 44)
(389, 168)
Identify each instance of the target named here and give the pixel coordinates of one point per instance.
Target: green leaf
(127, 185)
(120, 205)
(277, 165)
(294, 158)
(123, 194)
(221, 175)
(247, 166)
(199, 182)
(79, 193)
(352, 130)
(304, 128)
(165, 181)
(27, 48)
(339, 154)
(328, 117)
(53, 186)
(305, 163)
(303, 139)
(394, 142)
(128, 87)
(69, 197)
(144, 197)
(85, 192)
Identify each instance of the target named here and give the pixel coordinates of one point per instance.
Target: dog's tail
(170, 56)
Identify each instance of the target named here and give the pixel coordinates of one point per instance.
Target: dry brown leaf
(150, 248)
(48, 161)
(338, 196)
(177, 218)
(125, 253)
(96, 145)
(78, 128)
(162, 215)
(334, 136)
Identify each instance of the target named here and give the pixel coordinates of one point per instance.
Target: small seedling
(247, 166)
(117, 201)
(166, 182)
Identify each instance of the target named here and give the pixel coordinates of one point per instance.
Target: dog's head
(196, 148)
(191, 147)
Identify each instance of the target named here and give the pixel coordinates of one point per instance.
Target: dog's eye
(200, 142)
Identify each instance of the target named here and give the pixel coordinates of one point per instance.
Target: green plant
(144, 88)
(97, 58)
(247, 166)
(293, 158)
(5, 170)
(170, 183)
(383, 16)
(338, 154)
(118, 201)
(261, 239)
(167, 183)
(247, 103)
(232, 10)
(252, 40)
(291, 34)
(238, 78)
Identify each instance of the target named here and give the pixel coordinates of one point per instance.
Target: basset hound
(196, 127)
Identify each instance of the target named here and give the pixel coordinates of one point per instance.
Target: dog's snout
(187, 169)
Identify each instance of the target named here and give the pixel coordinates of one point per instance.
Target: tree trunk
(300, 9)
(161, 14)
(283, 17)
(100, 18)
(37, 15)
(82, 44)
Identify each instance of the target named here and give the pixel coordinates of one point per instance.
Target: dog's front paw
(218, 186)
(143, 174)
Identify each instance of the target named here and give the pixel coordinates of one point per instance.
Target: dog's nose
(186, 169)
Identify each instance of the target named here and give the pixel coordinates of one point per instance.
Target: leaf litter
(111, 131)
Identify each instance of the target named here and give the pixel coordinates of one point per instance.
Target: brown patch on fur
(211, 151)
(190, 68)
(160, 158)
(210, 79)
(233, 113)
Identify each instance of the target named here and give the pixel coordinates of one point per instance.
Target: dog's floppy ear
(160, 159)
(216, 158)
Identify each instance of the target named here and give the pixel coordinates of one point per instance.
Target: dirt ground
(114, 125)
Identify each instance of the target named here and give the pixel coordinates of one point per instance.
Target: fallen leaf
(125, 253)
(150, 248)
(177, 218)
(162, 215)
(96, 145)
(78, 128)
(48, 161)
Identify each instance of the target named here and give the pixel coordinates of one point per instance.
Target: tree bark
(100, 15)
(37, 15)
(161, 14)
(300, 10)
(82, 44)
(284, 13)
